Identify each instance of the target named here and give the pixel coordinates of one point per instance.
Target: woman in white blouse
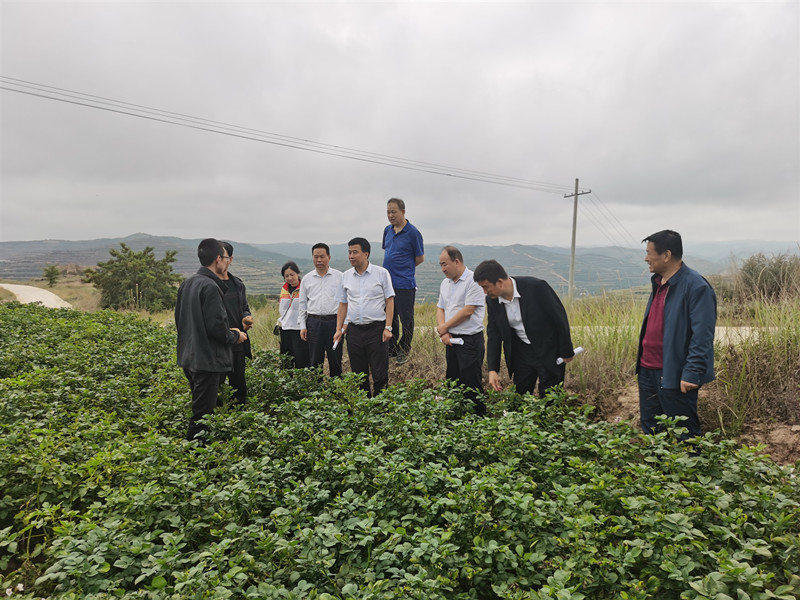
(289, 317)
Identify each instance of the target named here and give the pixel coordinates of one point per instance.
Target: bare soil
(780, 441)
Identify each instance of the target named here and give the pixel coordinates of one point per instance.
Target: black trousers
(527, 371)
(205, 391)
(403, 314)
(320, 344)
(293, 345)
(369, 353)
(654, 400)
(236, 379)
(465, 365)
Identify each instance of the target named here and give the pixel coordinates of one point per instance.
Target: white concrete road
(28, 294)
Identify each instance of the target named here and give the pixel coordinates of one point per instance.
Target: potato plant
(313, 490)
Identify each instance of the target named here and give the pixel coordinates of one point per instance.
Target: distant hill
(596, 269)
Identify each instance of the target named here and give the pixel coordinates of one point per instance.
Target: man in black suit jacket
(527, 321)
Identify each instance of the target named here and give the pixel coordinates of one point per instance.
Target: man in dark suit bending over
(527, 321)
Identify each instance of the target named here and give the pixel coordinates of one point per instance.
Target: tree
(136, 280)
(51, 274)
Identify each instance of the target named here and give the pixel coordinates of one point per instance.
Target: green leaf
(158, 582)
(349, 588)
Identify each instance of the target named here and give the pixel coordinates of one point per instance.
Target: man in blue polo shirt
(403, 251)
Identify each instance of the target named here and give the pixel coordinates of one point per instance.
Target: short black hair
(454, 253)
(208, 250)
(228, 248)
(666, 239)
(489, 270)
(400, 204)
(322, 245)
(290, 265)
(359, 241)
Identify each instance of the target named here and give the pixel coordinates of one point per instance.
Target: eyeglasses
(225, 257)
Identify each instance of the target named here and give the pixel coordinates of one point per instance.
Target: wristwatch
(388, 327)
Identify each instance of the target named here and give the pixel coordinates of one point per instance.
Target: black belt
(466, 335)
(365, 325)
(323, 317)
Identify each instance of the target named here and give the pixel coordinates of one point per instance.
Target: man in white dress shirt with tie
(366, 307)
(318, 310)
(459, 318)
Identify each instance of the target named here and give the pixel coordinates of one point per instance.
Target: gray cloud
(682, 115)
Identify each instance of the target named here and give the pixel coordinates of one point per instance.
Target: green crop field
(313, 490)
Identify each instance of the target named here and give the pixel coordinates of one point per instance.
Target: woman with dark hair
(289, 317)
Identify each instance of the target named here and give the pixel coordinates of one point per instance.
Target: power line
(614, 221)
(221, 128)
(602, 222)
(63, 95)
(590, 216)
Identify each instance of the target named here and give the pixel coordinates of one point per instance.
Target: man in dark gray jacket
(205, 340)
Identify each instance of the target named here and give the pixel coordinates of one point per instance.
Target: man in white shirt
(366, 306)
(459, 318)
(318, 309)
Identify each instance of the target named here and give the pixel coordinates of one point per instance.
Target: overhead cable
(589, 214)
(614, 221)
(182, 120)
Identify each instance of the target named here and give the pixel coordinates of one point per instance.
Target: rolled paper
(577, 351)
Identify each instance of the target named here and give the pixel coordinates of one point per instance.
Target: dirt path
(28, 294)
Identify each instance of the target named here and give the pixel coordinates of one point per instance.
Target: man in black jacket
(205, 340)
(526, 320)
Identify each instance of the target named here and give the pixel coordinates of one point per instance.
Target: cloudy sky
(295, 121)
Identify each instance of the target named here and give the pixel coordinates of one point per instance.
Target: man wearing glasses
(205, 339)
(235, 298)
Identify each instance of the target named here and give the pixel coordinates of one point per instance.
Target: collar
(676, 276)
(514, 297)
(369, 264)
(405, 227)
(206, 272)
(463, 277)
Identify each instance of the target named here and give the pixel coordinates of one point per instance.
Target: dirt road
(28, 294)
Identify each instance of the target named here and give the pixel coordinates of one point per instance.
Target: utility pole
(571, 292)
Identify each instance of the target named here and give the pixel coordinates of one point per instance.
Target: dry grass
(758, 377)
(607, 327)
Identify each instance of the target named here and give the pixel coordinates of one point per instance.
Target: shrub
(136, 280)
(770, 277)
(51, 274)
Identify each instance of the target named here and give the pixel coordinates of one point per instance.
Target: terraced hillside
(596, 269)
